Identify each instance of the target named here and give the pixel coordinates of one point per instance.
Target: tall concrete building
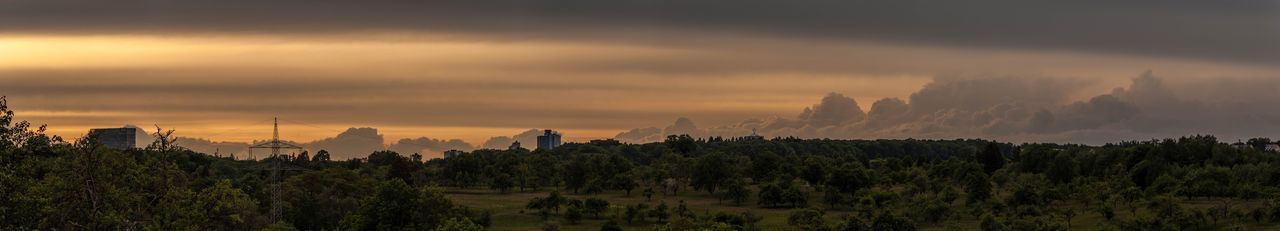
(116, 138)
(548, 140)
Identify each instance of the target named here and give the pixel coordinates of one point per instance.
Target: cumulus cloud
(835, 109)
(352, 143)
(429, 147)
(1028, 109)
(528, 138)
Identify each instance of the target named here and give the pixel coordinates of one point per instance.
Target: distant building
(116, 138)
(1239, 145)
(453, 153)
(1266, 147)
(548, 140)
(514, 146)
(753, 136)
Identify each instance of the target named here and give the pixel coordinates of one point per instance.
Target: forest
(683, 183)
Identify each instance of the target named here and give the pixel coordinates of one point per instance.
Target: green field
(509, 212)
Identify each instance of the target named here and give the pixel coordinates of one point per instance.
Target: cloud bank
(1025, 109)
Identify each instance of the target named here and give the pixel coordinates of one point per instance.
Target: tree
(227, 208)
(502, 182)
(833, 197)
(595, 206)
(625, 182)
(807, 219)
(815, 170)
(992, 158)
(552, 202)
(573, 215)
(683, 143)
(459, 224)
(850, 178)
(977, 189)
(714, 170)
(396, 206)
(1062, 170)
(736, 192)
(611, 226)
(887, 221)
(322, 198)
(992, 223)
(660, 213)
(635, 212)
(303, 159)
(321, 156)
(852, 223)
(1259, 143)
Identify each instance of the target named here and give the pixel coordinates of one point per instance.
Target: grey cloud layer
(352, 143)
(1026, 109)
(1237, 31)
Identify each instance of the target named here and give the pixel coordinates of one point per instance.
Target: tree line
(49, 183)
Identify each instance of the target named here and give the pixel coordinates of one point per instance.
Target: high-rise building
(116, 138)
(548, 140)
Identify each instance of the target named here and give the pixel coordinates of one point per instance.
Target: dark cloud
(641, 134)
(1238, 31)
(835, 109)
(528, 138)
(358, 143)
(682, 126)
(1035, 109)
(428, 147)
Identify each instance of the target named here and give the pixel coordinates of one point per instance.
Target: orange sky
(471, 88)
(475, 70)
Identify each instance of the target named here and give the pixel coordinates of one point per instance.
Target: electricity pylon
(276, 167)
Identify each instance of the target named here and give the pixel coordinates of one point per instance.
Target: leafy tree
(573, 215)
(816, 170)
(595, 206)
(611, 226)
(660, 213)
(1062, 170)
(992, 158)
(737, 192)
(992, 223)
(635, 212)
(850, 178)
(715, 170)
(833, 197)
(396, 206)
(321, 156)
(502, 182)
(625, 182)
(807, 219)
(459, 224)
(887, 221)
(227, 207)
(323, 198)
(977, 190)
(683, 143)
(851, 223)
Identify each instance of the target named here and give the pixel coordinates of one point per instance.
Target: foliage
(1194, 182)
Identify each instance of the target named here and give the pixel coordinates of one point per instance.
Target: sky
(427, 76)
